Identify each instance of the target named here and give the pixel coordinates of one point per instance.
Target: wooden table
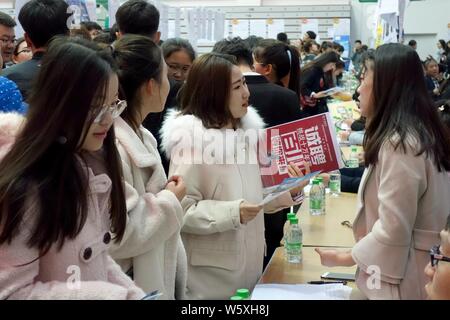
(310, 269)
(280, 271)
(327, 230)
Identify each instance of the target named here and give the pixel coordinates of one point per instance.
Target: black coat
(313, 80)
(351, 178)
(23, 74)
(274, 103)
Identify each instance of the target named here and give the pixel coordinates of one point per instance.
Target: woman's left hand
(295, 172)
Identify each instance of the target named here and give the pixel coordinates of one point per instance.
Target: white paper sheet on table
(301, 292)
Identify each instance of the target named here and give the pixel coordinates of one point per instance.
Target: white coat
(151, 244)
(223, 254)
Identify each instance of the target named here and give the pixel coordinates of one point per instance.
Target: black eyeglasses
(436, 256)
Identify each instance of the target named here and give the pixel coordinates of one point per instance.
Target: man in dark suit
(7, 38)
(276, 105)
(41, 20)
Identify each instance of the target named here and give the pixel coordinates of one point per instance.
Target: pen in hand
(327, 282)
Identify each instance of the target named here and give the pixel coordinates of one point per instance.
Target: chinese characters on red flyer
(310, 140)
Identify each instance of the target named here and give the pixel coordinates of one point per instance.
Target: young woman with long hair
(151, 248)
(403, 196)
(60, 168)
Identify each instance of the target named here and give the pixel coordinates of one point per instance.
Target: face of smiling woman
(97, 131)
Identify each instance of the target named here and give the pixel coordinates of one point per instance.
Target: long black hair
(402, 106)
(139, 59)
(322, 60)
(284, 59)
(46, 162)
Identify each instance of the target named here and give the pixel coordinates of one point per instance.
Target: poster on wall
(220, 26)
(258, 28)
(80, 10)
(18, 29)
(240, 28)
(164, 22)
(310, 25)
(274, 27)
(113, 6)
(341, 35)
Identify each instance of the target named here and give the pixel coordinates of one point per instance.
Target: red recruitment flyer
(311, 139)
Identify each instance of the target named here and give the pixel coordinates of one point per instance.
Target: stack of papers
(301, 292)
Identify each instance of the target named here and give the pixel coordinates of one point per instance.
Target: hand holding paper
(295, 172)
(288, 184)
(248, 211)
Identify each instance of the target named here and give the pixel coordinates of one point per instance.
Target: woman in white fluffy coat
(151, 249)
(223, 230)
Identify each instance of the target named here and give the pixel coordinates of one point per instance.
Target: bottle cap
(236, 298)
(290, 215)
(294, 220)
(315, 181)
(354, 148)
(244, 293)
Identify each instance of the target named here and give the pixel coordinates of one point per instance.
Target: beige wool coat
(223, 254)
(403, 203)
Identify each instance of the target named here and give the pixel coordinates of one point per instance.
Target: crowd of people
(118, 178)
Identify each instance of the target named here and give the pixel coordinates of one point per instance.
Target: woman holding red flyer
(207, 141)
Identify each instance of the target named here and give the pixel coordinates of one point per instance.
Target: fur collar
(143, 153)
(182, 130)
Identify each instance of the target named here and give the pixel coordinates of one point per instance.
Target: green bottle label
(315, 204)
(334, 186)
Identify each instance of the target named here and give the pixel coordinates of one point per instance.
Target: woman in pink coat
(404, 194)
(56, 180)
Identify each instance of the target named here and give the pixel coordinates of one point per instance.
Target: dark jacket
(350, 179)
(359, 124)
(312, 80)
(274, 103)
(24, 73)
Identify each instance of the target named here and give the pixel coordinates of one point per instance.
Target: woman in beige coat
(212, 143)
(404, 193)
(151, 250)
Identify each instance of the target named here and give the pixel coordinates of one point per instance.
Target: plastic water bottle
(243, 293)
(294, 242)
(290, 215)
(324, 193)
(315, 199)
(353, 161)
(335, 183)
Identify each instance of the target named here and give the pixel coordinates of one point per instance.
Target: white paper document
(271, 193)
(333, 90)
(301, 292)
